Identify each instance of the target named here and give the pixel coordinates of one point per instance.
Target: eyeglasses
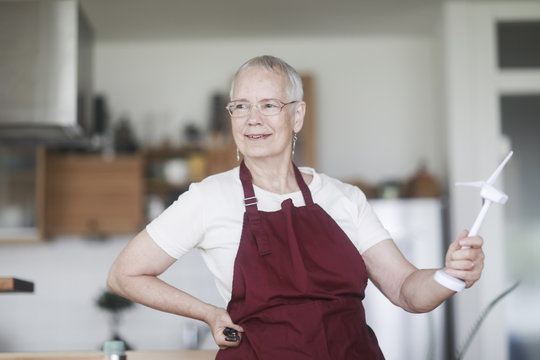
(266, 107)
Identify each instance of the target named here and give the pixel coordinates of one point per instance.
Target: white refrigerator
(417, 228)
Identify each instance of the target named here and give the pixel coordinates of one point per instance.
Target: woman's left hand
(465, 263)
(219, 319)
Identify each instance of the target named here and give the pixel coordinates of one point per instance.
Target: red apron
(298, 285)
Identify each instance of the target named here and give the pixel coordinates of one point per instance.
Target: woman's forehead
(260, 81)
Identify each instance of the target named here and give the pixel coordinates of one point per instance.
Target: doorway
(520, 116)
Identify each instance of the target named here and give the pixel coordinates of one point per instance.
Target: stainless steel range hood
(45, 72)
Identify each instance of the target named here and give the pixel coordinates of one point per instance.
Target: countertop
(9, 284)
(131, 355)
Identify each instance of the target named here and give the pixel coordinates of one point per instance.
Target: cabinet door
(21, 193)
(87, 194)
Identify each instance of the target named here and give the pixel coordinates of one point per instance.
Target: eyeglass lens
(266, 107)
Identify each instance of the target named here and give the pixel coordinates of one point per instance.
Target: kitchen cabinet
(21, 193)
(44, 193)
(93, 195)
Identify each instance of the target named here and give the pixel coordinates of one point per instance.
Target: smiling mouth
(257, 136)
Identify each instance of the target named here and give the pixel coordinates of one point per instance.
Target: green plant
(461, 352)
(114, 304)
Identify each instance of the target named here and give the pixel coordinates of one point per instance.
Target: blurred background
(110, 108)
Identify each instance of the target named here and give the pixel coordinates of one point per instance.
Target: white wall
(69, 275)
(378, 100)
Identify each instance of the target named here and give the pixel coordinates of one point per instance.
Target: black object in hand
(231, 334)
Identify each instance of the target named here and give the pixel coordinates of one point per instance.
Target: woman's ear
(299, 113)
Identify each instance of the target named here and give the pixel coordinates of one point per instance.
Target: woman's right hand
(218, 320)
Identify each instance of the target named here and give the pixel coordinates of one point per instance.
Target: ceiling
(140, 20)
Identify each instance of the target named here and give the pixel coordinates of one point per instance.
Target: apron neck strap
(253, 216)
(252, 212)
(303, 186)
(250, 201)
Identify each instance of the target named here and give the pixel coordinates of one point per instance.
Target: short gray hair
(271, 63)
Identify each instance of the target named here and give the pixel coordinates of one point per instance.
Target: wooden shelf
(166, 153)
(15, 285)
(26, 235)
(160, 186)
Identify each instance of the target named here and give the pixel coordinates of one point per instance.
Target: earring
(237, 155)
(295, 137)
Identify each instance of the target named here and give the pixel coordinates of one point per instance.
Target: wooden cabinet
(21, 193)
(72, 193)
(305, 152)
(93, 195)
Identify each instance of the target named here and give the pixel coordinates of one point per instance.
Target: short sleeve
(370, 228)
(181, 226)
(348, 206)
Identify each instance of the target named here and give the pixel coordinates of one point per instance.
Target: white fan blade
(472, 183)
(498, 170)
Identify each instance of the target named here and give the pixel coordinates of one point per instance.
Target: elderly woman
(291, 249)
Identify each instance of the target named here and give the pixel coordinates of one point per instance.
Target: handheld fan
(489, 195)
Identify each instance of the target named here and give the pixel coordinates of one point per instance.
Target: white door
(475, 84)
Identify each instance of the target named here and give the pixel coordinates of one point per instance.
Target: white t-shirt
(209, 217)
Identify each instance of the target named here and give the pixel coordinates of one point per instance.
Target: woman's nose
(255, 116)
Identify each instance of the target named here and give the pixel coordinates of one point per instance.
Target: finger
(230, 330)
(463, 235)
(475, 242)
(223, 343)
(467, 276)
(472, 254)
(454, 246)
(467, 263)
(460, 256)
(467, 269)
(226, 345)
(226, 325)
(461, 265)
(236, 327)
